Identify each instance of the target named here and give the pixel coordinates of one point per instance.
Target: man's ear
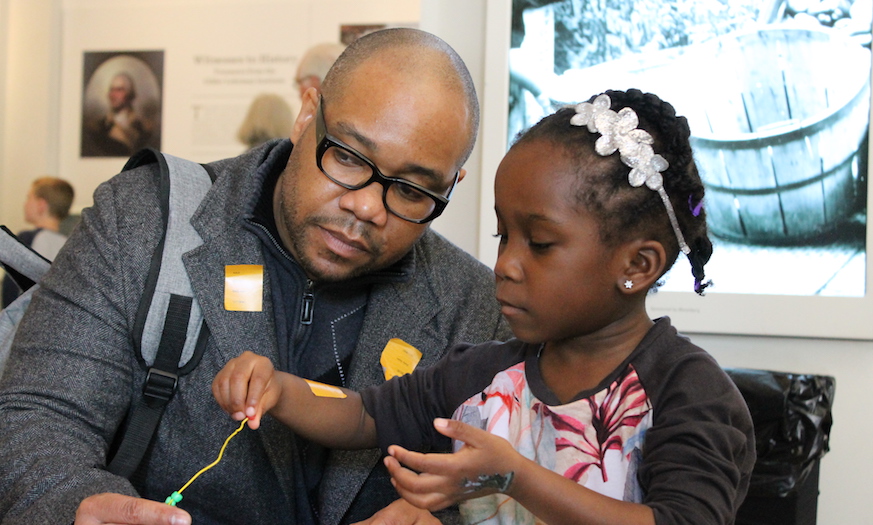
(643, 263)
(461, 173)
(309, 105)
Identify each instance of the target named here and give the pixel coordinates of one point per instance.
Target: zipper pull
(308, 304)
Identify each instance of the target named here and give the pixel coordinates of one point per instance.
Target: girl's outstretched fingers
(424, 490)
(485, 464)
(458, 431)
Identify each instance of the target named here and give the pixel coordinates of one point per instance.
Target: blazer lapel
(234, 332)
(402, 310)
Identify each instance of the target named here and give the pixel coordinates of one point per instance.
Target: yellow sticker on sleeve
(399, 358)
(243, 287)
(323, 390)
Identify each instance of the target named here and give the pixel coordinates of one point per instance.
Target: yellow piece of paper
(399, 358)
(323, 390)
(243, 287)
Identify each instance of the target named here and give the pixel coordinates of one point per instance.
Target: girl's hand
(246, 388)
(484, 465)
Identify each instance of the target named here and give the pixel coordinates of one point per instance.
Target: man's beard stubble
(295, 227)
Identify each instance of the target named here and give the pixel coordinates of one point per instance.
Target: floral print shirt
(594, 441)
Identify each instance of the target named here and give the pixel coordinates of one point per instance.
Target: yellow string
(220, 453)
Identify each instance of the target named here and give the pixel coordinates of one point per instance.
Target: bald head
(414, 56)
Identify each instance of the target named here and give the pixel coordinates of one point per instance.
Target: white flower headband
(619, 132)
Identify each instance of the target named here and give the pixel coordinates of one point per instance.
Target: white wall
(30, 87)
(461, 220)
(4, 46)
(466, 25)
(30, 99)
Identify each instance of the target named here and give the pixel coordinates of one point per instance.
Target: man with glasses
(353, 171)
(337, 220)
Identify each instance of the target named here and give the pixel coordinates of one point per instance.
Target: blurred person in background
(46, 206)
(269, 117)
(314, 65)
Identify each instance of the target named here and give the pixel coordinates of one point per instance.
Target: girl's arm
(487, 464)
(249, 386)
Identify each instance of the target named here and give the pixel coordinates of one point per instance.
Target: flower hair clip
(619, 132)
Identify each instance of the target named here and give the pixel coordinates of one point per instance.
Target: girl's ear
(643, 263)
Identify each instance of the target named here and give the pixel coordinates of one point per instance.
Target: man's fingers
(401, 512)
(107, 508)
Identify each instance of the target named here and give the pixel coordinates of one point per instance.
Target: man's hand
(401, 512)
(245, 388)
(118, 509)
(484, 465)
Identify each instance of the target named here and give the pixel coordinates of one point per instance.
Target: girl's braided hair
(623, 210)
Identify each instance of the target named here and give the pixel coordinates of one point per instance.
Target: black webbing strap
(158, 389)
(23, 281)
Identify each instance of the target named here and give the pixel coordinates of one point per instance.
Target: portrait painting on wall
(777, 96)
(121, 102)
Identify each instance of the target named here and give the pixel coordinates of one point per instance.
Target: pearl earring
(628, 284)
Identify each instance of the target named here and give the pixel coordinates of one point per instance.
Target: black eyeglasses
(352, 170)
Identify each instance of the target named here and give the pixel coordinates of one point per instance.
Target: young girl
(595, 413)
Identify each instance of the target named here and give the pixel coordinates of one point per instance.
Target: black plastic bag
(792, 417)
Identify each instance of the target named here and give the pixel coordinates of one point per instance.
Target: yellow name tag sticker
(243, 287)
(323, 390)
(399, 358)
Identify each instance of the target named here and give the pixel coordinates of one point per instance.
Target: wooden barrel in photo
(778, 139)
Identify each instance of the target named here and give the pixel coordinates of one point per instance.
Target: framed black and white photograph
(777, 95)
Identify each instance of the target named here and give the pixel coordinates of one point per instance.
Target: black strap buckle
(159, 386)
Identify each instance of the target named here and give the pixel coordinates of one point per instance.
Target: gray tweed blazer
(72, 373)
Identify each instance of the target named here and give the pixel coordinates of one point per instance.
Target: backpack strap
(26, 267)
(9, 319)
(184, 184)
(21, 262)
(169, 335)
